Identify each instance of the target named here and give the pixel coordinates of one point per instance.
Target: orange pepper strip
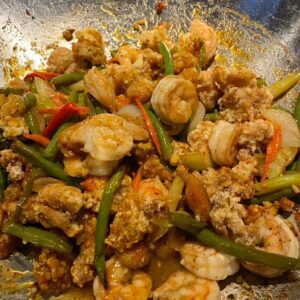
(121, 101)
(57, 100)
(149, 125)
(41, 74)
(272, 149)
(137, 179)
(50, 111)
(40, 139)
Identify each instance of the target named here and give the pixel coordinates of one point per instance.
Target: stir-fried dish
(150, 175)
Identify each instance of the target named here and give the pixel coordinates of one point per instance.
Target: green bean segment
(241, 252)
(67, 79)
(102, 220)
(38, 237)
(167, 57)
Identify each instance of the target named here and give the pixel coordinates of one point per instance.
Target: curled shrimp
(97, 144)
(123, 284)
(101, 87)
(275, 236)
(200, 33)
(206, 262)
(184, 285)
(174, 99)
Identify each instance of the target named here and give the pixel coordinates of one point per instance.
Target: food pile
(150, 175)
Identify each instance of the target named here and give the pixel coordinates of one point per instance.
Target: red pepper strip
(66, 111)
(272, 149)
(137, 179)
(149, 125)
(43, 75)
(42, 140)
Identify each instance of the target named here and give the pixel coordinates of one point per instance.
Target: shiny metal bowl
(262, 34)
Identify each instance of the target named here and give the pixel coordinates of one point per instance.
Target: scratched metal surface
(269, 44)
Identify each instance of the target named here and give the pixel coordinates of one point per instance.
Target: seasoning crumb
(160, 6)
(68, 34)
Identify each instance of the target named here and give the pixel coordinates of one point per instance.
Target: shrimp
(123, 284)
(275, 236)
(206, 262)
(199, 33)
(154, 196)
(183, 285)
(100, 141)
(174, 99)
(101, 87)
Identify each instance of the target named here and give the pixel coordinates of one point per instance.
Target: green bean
(241, 252)
(167, 57)
(27, 192)
(102, 220)
(277, 183)
(67, 79)
(31, 85)
(39, 161)
(287, 192)
(30, 100)
(88, 103)
(297, 111)
(81, 99)
(3, 182)
(202, 58)
(99, 110)
(38, 237)
(7, 91)
(161, 134)
(78, 86)
(31, 120)
(213, 116)
(185, 222)
(65, 90)
(260, 82)
(52, 149)
(282, 86)
(73, 97)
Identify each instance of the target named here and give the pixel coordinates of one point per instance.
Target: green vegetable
(31, 120)
(3, 183)
(102, 220)
(185, 222)
(161, 134)
(67, 79)
(287, 192)
(38, 237)
(202, 58)
(81, 99)
(39, 161)
(73, 97)
(297, 111)
(213, 116)
(99, 110)
(277, 183)
(175, 193)
(7, 91)
(197, 161)
(27, 192)
(52, 149)
(260, 82)
(78, 86)
(167, 57)
(282, 86)
(65, 90)
(241, 252)
(90, 105)
(30, 100)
